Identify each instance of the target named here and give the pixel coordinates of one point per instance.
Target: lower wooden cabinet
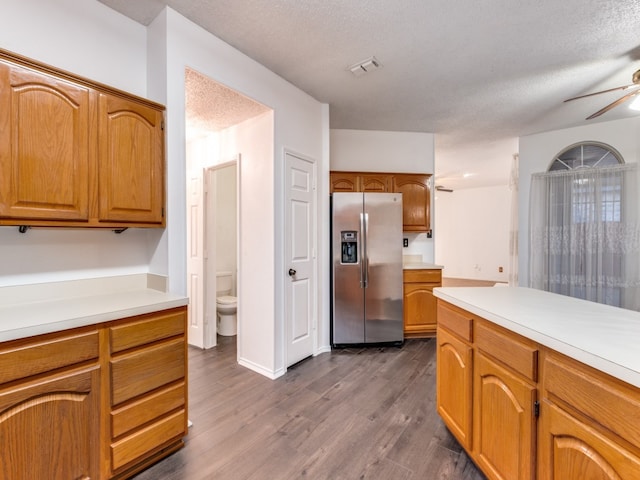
(454, 385)
(504, 422)
(533, 413)
(49, 404)
(96, 402)
(589, 424)
(420, 305)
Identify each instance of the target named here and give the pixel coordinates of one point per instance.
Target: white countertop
(37, 309)
(606, 338)
(421, 266)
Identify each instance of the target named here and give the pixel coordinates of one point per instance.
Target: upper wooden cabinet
(44, 146)
(416, 194)
(416, 197)
(76, 153)
(131, 161)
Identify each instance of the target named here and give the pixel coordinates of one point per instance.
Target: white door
(300, 285)
(195, 254)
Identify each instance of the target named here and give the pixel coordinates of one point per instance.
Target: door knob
(292, 272)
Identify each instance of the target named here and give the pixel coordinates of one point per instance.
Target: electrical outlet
(429, 234)
(405, 242)
(500, 269)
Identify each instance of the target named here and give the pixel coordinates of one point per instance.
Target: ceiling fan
(636, 83)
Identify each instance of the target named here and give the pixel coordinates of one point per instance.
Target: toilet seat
(226, 300)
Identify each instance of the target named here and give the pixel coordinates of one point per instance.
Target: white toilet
(226, 305)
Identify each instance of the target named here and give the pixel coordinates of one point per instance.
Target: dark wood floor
(349, 414)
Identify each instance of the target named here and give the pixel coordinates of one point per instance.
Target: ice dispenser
(349, 240)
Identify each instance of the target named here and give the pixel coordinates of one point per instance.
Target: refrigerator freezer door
(348, 294)
(383, 261)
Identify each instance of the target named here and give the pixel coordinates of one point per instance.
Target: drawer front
(455, 320)
(20, 360)
(422, 276)
(147, 409)
(516, 352)
(607, 401)
(144, 442)
(156, 326)
(147, 369)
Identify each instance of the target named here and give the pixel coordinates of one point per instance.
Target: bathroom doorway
(219, 123)
(221, 240)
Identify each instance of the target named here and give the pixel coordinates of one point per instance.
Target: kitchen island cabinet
(96, 390)
(76, 153)
(556, 383)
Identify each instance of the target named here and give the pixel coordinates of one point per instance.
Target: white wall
(381, 151)
(472, 233)
(538, 151)
(93, 41)
(300, 125)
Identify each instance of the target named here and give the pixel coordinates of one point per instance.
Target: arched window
(584, 229)
(586, 155)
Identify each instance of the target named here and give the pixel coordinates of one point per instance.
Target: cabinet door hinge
(162, 212)
(536, 408)
(162, 125)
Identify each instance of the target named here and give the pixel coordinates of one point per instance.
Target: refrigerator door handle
(362, 250)
(365, 252)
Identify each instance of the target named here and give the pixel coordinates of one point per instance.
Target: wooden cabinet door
(454, 386)
(45, 125)
(572, 450)
(416, 201)
(504, 435)
(50, 428)
(344, 182)
(375, 183)
(131, 161)
(419, 309)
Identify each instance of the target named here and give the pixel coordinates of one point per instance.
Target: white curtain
(585, 234)
(513, 227)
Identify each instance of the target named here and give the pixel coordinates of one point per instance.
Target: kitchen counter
(421, 266)
(603, 337)
(28, 310)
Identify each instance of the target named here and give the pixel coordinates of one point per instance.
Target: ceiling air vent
(365, 66)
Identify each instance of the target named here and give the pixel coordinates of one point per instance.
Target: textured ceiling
(211, 106)
(478, 74)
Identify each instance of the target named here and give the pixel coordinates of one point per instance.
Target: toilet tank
(224, 283)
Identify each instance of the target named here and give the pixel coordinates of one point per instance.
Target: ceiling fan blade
(614, 104)
(598, 93)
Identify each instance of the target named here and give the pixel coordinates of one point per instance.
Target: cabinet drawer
(145, 370)
(609, 402)
(455, 320)
(21, 360)
(147, 409)
(136, 446)
(512, 350)
(154, 327)
(422, 276)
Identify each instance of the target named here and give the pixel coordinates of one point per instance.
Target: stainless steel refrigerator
(367, 269)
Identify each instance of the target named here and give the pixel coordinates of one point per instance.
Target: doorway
(221, 239)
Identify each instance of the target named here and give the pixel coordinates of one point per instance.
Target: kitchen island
(539, 385)
(93, 377)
